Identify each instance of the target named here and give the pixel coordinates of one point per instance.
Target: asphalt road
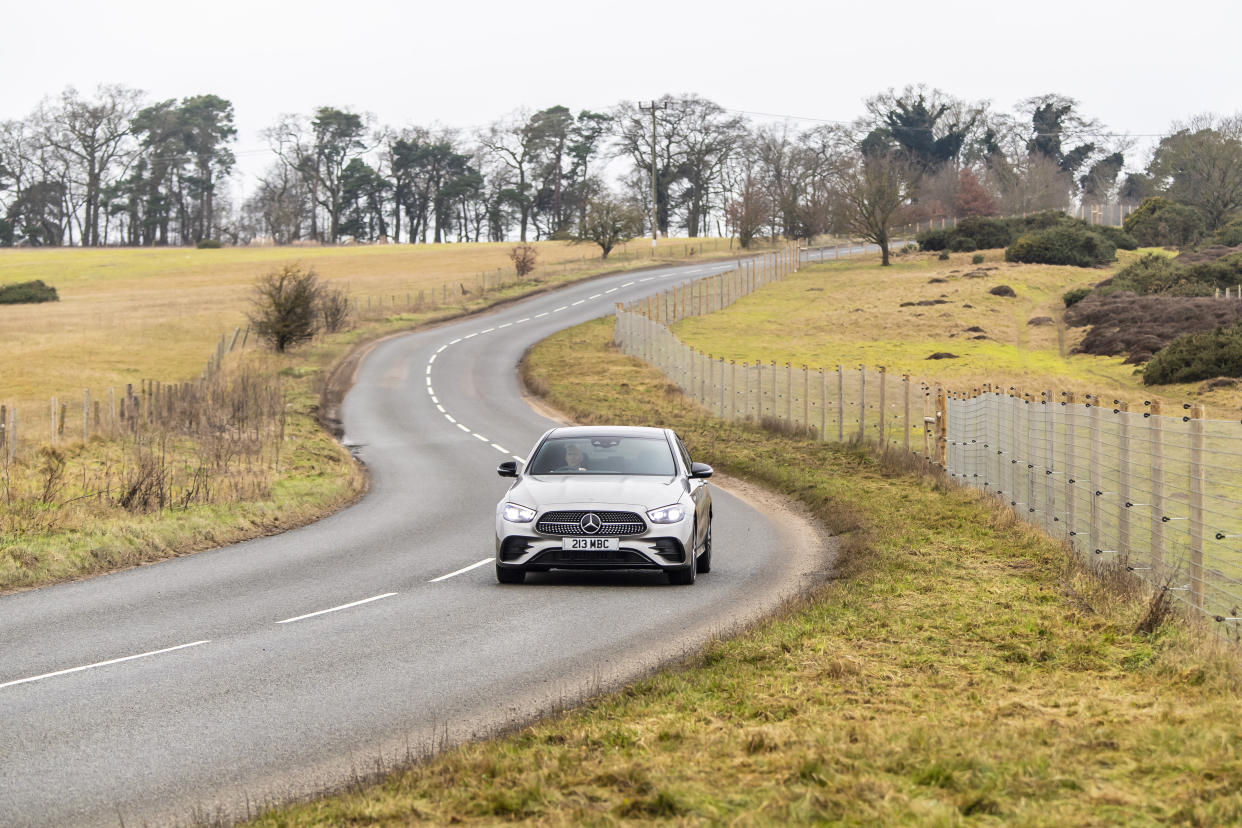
(204, 685)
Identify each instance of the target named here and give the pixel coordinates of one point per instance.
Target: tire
(505, 575)
(705, 557)
(684, 577)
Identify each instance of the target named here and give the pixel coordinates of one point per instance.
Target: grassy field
(959, 669)
(851, 313)
(130, 314)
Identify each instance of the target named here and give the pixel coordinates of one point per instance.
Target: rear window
(603, 455)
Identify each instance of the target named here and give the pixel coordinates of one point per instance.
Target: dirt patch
(943, 355)
(1207, 254)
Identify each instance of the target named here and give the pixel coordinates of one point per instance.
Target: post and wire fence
(1154, 492)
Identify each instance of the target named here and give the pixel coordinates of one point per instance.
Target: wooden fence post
(840, 403)
(1123, 475)
(1197, 481)
(806, 398)
(905, 382)
(789, 393)
(1094, 476)
(862, 403)
(823, 405)
(942, 427)
(1157, 492)
(883, 411)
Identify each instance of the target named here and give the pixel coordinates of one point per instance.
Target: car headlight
(518, 514)
(667, 514)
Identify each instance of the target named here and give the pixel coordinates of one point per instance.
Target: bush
(1159, 222)
(1198, 356)
(1062, 245)
(944, 256)
(524, 259)
(1073, 297)
(1182, 276)
(286, 307)
(977, 258)
(962, 244)
(1139, 326)
(1120, 238)
(933, 240)
(985, 233)
(23, 293)
(1230, 235)
(209, 244)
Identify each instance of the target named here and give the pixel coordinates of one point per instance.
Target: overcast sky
(1136, 66)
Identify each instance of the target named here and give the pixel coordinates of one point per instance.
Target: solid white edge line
(460, 571)
(335, 609)
(104, 663)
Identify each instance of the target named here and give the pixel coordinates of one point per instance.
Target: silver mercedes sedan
(605, 497)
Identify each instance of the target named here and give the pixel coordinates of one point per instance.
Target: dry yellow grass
(129, 314)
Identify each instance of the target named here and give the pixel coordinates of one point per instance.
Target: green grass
(850, 313)
(960, 668)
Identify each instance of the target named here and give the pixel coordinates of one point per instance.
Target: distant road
(206, 684)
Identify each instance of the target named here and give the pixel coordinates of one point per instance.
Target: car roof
(607, 431)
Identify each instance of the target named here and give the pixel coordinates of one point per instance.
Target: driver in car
(575, 459)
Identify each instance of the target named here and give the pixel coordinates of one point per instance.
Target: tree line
(115, 168)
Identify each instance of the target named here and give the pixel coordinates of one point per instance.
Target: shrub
(1139, 326)
(944, 256)
(523, 257)
(933, 240)
(1073, 297)
(1120, 238)
(1187, 275)
(286, 307)
(977, 258)
(332, 308)
(1062, 245)
(1230, 235)
(962, 244)
(1164, 223)
(209, 244)
(23, 293)
(1198, 356)
(985, 233)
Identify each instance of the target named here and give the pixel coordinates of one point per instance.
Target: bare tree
(94, 138)
(1201, 165)
(609, 222)
(875, 193)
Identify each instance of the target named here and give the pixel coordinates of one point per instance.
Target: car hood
(593, 491)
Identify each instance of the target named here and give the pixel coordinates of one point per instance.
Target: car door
(699, 493)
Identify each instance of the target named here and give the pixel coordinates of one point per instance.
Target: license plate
(591, 544)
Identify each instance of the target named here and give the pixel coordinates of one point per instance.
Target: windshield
(603, 455)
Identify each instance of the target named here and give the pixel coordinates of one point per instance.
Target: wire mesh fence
(1154, 493)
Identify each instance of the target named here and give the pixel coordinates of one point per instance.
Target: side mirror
(507, 469)
(700, 471)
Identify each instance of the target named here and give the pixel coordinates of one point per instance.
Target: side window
(685, 455)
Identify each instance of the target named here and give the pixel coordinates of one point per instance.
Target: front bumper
(536, 553)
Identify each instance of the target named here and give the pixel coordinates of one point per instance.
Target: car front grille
(615, 524)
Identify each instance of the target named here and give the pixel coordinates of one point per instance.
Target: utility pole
(655, 192)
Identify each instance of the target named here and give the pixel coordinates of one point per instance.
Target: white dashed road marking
(460, 571)
(102, 663)
(338, 609)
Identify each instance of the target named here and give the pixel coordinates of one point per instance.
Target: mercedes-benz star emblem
(590, 523)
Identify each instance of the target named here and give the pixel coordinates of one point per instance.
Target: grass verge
(961, 668)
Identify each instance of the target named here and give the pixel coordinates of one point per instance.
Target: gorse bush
(1198, 356)
(1062, 245)
(1073, 297)
(1230, 235)
(1154, 274)
(1159, 222)
(209, 244)
(978, 233)
(23, 293)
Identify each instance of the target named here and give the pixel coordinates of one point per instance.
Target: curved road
(203, 685)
